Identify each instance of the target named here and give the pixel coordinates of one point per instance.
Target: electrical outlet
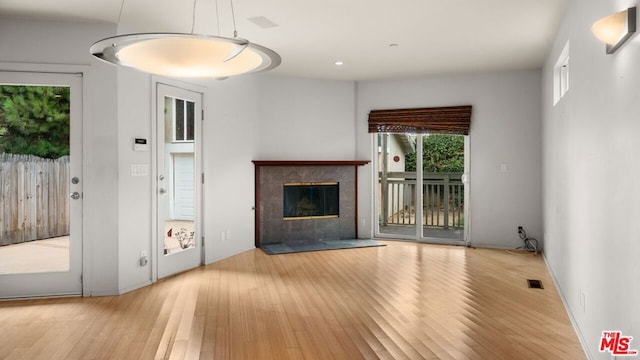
(144, 260)
(223, 236)
(362, 223)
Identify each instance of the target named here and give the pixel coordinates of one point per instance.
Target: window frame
(186, 121)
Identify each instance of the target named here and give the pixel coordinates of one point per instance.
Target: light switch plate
(139, 169)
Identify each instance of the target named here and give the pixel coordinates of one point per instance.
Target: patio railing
(443, 199)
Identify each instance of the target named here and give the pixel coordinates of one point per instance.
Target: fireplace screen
(311, 200)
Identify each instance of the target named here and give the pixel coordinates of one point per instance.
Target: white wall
(134, 196)
(57, 46)
(305, 119)
(591, 190)
(505, 128)
(230, 136)
(100, 155)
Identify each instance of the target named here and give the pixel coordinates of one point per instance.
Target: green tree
(440, 153)
(34, 120)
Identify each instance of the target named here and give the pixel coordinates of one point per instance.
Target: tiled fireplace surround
(270, 177)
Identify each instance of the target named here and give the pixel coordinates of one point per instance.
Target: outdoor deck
(442, 205)
(427, 232)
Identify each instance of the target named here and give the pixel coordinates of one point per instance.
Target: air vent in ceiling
(263, 22)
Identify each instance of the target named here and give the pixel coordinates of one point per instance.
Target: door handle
(75, 195)
(162, 191)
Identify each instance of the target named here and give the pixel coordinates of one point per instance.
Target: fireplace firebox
(302, 201)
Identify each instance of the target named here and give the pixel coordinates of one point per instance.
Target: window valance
(436, 120)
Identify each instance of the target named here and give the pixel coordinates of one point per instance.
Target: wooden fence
(34, 198)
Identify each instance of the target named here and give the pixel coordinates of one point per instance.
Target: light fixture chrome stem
(120, 13)
(233, 17)
(193, 16)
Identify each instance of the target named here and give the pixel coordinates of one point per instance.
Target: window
(561, 75)
(183, 120)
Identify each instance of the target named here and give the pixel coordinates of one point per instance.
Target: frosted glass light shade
(615, 29)
(185, 55)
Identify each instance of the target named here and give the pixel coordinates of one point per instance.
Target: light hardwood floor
(401, 301)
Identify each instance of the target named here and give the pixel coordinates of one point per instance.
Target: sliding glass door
(421, 192)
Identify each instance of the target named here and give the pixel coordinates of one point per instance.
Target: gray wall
(305, 119)
(591, 176)
(505, 128)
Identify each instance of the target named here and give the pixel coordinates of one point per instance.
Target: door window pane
(189, 120)
(442, 187)
(183, 119)
(179, 121)
(179, 162)
(34, 178)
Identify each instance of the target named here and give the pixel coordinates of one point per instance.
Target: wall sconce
(615, 29)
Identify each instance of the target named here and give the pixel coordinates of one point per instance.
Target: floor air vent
(535, 284)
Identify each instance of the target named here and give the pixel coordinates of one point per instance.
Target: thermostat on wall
(140, 144)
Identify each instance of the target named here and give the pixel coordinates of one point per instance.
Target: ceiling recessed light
(339, 63)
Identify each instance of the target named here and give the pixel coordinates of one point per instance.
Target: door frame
(157, 81)
(419, 236)
(83, 72)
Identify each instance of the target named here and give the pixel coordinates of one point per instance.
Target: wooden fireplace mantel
(262, 163)
(310, 162)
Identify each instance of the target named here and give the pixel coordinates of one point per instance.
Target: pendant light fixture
(186, 55)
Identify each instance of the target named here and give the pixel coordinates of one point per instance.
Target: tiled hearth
(271, 225)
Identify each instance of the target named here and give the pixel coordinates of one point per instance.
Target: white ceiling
(432, 36)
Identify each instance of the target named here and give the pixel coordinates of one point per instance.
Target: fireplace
(303, 201)
(306, 201)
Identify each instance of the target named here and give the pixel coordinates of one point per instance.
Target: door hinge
(80, 278)
(203, 178)
(202, 115)
(202, 242)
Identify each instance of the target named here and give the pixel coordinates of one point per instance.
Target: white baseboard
(581, 338)
(134, 287)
